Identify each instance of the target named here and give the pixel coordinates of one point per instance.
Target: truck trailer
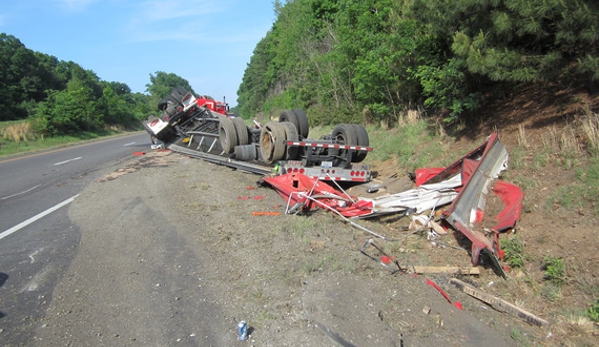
(201, 127)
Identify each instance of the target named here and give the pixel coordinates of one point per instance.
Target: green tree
(162, 83)
(346, 59)
(68, 112)
(254, 87)
(17, 77)
(115, 109)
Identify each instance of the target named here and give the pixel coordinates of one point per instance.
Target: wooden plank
(446, 270)
(498, 304)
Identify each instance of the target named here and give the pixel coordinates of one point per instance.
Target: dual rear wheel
(232, 132)
(273, 141)
(351, 135)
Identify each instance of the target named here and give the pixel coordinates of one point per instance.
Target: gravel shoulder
(171, 254)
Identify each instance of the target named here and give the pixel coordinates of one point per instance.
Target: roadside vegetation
(47, 102)
(375, 61)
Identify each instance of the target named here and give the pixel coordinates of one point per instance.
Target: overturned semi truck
(190, 125)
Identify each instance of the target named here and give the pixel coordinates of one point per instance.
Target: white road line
(66, 161)
(21, 193)
(128, 144)
(36, 217)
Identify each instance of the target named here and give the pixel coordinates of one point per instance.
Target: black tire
(272, 142)
(162, 104)
(176, 96)
(289, 116)
(246, 152)
(178, 93)
(343, 134)
(227, 135)
(291, 153)
(303, 128)
(280, 145)
(175, 100)
(242, 131)
(363, 141)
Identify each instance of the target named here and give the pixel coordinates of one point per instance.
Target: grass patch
(326, 262)
(414, 145)
(517, 156)
(517, 335)
(526, 183)
(582, 193)
(568, 197)
(514, 251)
(593, 312)
(541, 158)
(301, 224)
(555, 270)
(551, 292)
(16, 137)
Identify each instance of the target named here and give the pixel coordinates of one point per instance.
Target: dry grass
(522, 139)
(580, 137)
(564, 139)
(590, 130)
(573, 330)
(18, 132)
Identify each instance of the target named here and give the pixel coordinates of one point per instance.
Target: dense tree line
(60, 97)
(371, 60)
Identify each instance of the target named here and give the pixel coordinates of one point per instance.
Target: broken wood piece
(446, 270)
(437, 228)
(266, 213)
(497, 303)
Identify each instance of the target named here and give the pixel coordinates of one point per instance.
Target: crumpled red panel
(512, 197)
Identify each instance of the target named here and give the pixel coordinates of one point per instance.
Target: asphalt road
(37, 240)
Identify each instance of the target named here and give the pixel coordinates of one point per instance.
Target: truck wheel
(245, 152)
(302, 120)
(363, 141)
(272, 142)
(343, 134)
(280, 144)
(177, 95)
(289, 116)
(162, 104)
(242, 131)
(227, 135)
(266, 145)
(292, 152)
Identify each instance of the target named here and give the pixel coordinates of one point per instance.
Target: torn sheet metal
(512, 197)
(424, 198)
(436, 175)
(296, 188)
(469, 205)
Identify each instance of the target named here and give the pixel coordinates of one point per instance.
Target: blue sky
(206, 42)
